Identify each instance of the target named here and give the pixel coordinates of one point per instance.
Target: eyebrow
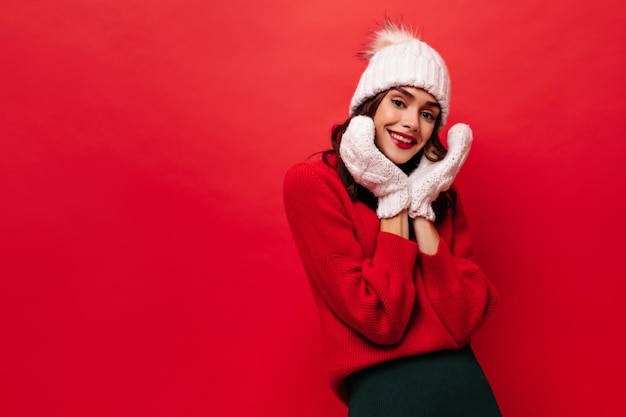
(406, 93)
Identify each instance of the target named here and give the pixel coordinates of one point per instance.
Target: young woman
(385, 243)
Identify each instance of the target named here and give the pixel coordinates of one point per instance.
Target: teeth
(401, 138)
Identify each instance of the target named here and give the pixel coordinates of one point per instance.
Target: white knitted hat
(398, 58)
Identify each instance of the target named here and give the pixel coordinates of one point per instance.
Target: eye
(428, 115)
(397, 102)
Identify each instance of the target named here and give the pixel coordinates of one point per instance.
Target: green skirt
(440, 384)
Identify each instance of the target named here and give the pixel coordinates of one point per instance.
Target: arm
(398, 224)
(373, 294)
(426, 235)
(458, 290)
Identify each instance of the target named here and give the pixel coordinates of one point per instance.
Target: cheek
(384, 115)
(388, 115)
(378, 135)
(428, 132)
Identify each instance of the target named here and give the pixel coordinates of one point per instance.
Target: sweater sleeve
(373, 295)
(458, 290)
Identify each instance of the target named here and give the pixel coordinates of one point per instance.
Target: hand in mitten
(431, 178)
(371, 168)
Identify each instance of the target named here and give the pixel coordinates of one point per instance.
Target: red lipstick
(402, 140)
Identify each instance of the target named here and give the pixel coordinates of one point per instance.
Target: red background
(146, 265)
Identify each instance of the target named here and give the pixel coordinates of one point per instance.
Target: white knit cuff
(392, 204)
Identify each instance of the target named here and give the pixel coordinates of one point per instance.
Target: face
(404, 121)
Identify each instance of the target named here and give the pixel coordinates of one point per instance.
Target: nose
(411, 121)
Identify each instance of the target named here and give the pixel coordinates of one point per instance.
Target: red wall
(146, 266)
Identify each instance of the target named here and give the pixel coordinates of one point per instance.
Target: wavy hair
(434, 151)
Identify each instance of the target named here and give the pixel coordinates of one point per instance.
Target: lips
(401, 140)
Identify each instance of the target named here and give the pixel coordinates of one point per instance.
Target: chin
(401, 160)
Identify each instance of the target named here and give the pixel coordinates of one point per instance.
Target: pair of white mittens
(395, 190)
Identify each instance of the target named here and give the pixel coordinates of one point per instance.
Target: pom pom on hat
(398, 58)
(388, 35)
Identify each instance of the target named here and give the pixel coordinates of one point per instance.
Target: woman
(385, 243)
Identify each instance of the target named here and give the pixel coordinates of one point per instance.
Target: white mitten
(431, 178)
(371, 168)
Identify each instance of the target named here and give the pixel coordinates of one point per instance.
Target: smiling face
(404, 121)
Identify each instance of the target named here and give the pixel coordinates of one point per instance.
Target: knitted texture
(378, 296)
(370, 168)
(431, 178)
(400, 59)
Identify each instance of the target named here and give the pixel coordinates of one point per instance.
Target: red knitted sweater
(378, 296)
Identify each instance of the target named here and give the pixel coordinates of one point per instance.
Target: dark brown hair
(434, 150)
